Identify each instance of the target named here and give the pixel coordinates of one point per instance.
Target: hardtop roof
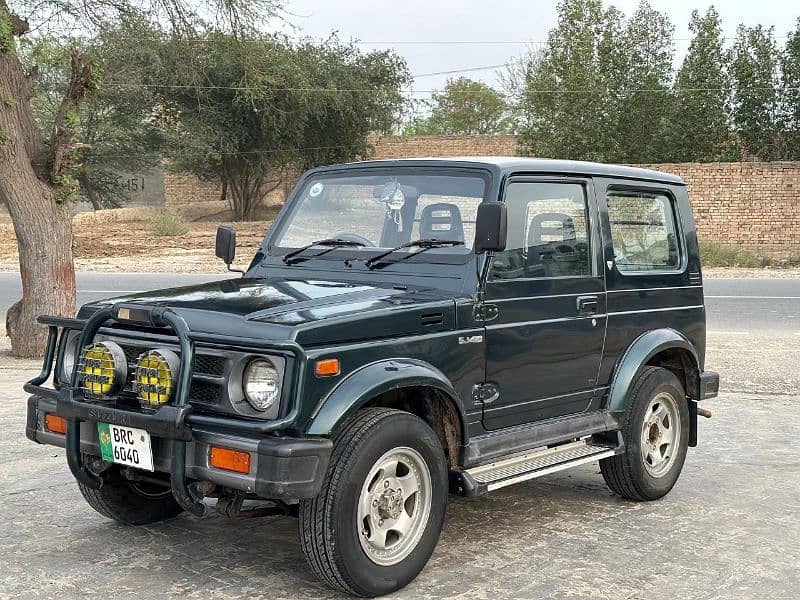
(515, 164)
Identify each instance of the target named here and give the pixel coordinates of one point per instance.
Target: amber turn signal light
(229, 460)
(55, 424)
(327, 367)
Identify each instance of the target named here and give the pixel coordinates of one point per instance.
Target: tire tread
(316, 534)
(617, 470)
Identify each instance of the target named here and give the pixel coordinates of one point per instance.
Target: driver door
(543, 350)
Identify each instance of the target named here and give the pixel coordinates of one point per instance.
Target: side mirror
(490, 227)
(226, 244)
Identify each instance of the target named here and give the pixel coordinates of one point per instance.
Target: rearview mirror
(490, 227)
(226, 244)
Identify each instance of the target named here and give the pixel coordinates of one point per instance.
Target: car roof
(514, 164)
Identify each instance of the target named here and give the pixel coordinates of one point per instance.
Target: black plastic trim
(292, 468)
(490, 447)
(709, 385)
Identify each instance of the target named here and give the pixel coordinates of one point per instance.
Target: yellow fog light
(102, 369)
(156, 373)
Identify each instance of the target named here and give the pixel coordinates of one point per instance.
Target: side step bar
(522, 467)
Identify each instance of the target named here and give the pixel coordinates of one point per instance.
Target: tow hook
(704, 412)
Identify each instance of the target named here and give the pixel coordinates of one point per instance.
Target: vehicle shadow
(483, 536)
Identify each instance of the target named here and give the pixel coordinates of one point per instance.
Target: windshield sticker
(315, 190)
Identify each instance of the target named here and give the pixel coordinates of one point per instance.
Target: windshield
(384, 211)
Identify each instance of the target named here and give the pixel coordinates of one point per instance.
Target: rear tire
(656, 436)
(131, 503)
(377, 519)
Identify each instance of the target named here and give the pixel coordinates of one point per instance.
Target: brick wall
(752, 205)
(755, 206)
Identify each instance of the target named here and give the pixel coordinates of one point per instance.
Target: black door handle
(587, 305)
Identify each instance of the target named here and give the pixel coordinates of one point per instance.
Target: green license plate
(125, 446)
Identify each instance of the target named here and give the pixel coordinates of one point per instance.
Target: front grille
(205, 392)
(208, 364)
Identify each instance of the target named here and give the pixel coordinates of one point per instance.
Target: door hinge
(485, 312)
(485, 393)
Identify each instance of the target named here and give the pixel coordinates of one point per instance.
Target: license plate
(125, 446)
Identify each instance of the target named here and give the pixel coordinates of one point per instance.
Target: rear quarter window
(644, 231)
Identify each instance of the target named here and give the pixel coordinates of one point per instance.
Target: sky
(496, 31)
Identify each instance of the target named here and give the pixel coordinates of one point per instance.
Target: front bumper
(281, 468)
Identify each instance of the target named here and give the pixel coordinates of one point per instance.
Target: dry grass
(135, 240)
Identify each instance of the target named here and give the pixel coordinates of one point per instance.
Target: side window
(643, 231)
(548, 232)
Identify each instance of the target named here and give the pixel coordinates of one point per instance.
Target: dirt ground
(729, 529)
(132, 247)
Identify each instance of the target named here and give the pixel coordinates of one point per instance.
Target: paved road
(746, 305)
(729, 528)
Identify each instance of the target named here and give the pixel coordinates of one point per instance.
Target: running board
(522, 467)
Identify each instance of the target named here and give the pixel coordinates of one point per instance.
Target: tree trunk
(42, 225)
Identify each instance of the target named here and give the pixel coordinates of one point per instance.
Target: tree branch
(82, 81)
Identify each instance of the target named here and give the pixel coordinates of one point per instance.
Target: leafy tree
(646, 87)
(567, 103)
(790, 98)
(754, 64)
(114, 128)
(247, 111)
(38, 168)
(463, 107)
(700, 125)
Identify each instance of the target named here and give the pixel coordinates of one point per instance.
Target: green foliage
(246, 111)
(603, 88)
(67, 188)
(463, 107)
(701, 130)
(566, 109)
(3, 138)
(754, 68)
(7, 44)
(114, 127)
(168, 224)
(713, 254)
(790, 99)
(645, 98)
(9, 101)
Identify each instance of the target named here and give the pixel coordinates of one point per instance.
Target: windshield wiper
(423, 244)
(332, 242)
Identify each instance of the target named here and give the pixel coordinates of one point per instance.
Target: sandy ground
(729, 529)
(132, 247)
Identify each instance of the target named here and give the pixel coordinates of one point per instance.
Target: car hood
(306, 310)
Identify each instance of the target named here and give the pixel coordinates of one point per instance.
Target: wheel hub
(660, 434)
(655, 432)
(390, 502)
(394, 506)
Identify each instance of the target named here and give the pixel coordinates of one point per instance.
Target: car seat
(441, 221)
(552, 246)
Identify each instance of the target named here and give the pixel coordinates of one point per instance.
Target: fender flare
(373, 379)
(643, 348)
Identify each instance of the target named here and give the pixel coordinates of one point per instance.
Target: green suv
(407, 329)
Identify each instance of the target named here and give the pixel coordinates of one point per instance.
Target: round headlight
(68, 360)
(261, 384)
(156, 373)
(102, 369)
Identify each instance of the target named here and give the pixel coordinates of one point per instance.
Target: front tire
(377, 519)
(131, 503)
(656, 436)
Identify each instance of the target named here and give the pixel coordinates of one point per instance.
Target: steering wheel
(354, 237)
